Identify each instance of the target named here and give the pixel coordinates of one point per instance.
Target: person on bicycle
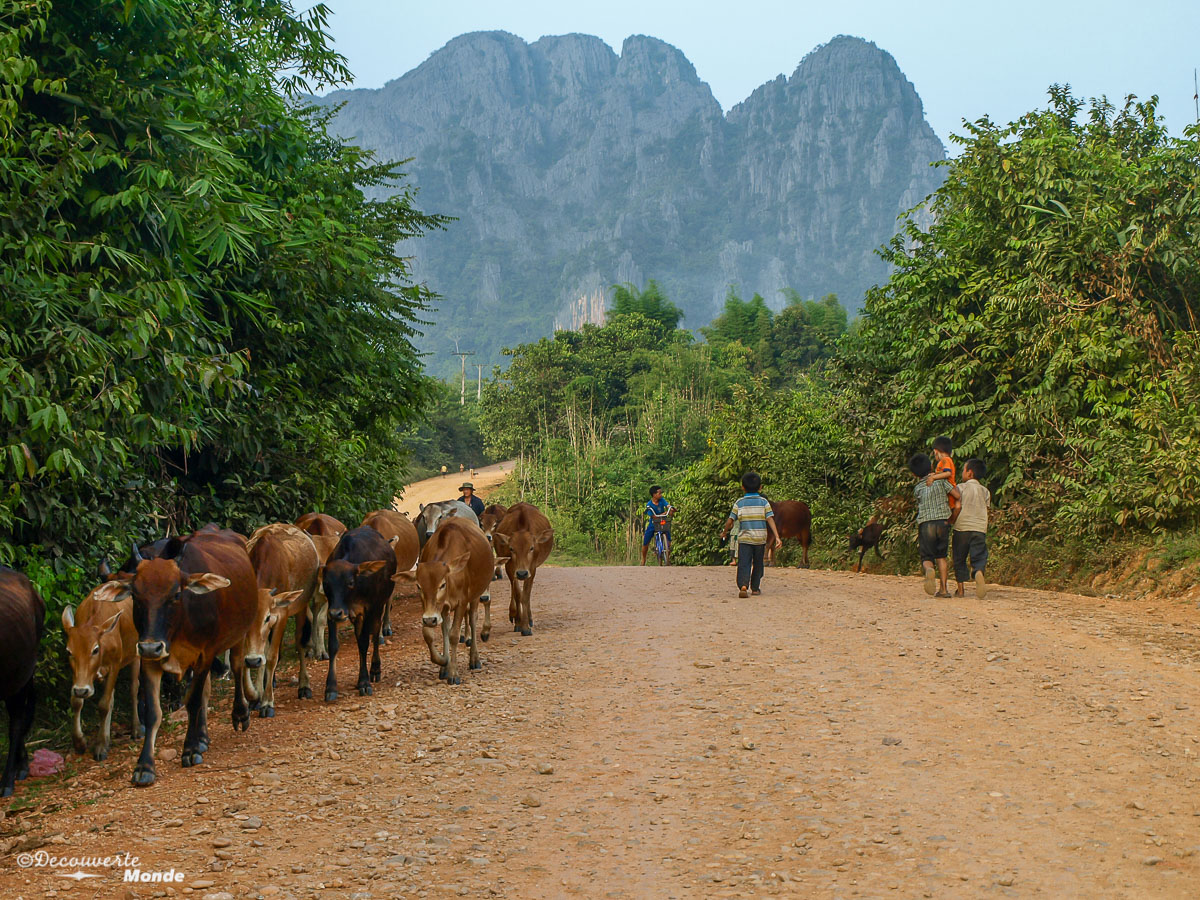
(657, 505)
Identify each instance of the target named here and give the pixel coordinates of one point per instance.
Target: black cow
(357, 581)
(22, 621)
(865, 538)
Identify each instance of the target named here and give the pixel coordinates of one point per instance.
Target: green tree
(651, 303)
(806, 331)
(1047, 318)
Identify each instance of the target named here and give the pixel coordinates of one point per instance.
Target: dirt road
(840, 736)
(431, 490)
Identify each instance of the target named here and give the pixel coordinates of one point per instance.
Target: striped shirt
(932, 503)
(751, 513)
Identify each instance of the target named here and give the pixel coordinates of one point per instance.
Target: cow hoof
(191, 758)
(516, 627)
(376, 676)
(80, 747)
(484, 637)
(526, 632)
(143, 776)
(141, 731)
(22, 773)
(365, 690)
(256, 703)
(202, 744)
(322, 655)
(267, 712)
(330, 696)
(304, 693)
(100, 754)
(442, 674)
(387, 631)
(7, 792)
(476, 665)
(455, 680)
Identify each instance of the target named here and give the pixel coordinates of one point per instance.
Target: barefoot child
(933, 523)
(755, 520)
(970, 528)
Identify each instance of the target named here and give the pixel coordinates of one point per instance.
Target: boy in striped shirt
(755, 520)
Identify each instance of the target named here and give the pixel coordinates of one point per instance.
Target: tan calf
(286, 565)
(325, 532)
(101, 641)
(524, 537)
(454, 571)
(398, 531)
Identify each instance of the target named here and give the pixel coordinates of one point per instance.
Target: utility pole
(1196, 95)
(479, 382)
(462, 355)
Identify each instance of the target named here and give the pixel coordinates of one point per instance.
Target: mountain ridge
(571, 167)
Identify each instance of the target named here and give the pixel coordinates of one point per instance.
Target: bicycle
(662, 533)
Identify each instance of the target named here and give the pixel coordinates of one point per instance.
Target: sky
(966, 59)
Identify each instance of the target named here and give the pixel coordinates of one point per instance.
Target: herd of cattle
(180, 603)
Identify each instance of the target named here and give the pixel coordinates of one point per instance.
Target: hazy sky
(966, 59)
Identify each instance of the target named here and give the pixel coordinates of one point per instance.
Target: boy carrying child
(933, 522)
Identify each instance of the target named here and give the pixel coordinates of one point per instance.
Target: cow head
(89, 644)
(521, 550)
(438, 583)
(488, 522)
(856, 540)
(272, 607)
(341, 581)
(158, 588)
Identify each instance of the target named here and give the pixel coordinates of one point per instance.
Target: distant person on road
(468, 497)
(460, 468)
(445, 469)
(943, 465)
(933, 523)
(755, 521)
(657, 505)
(970, 528)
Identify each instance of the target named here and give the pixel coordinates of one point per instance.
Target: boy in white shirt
(970, 528)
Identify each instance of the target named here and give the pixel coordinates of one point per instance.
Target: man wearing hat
(468, 497)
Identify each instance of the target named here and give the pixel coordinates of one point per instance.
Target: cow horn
(137, 554)
(104, 570)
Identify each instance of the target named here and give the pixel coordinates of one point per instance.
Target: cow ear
(286, 598)
(370, 567)
(545, 537)
(111, 592)
(459, 563)
(68, 618)
(499, 537)
(501, 560)
(204, 582)
(421, 508)
(393, 540)
(409, 577)
(111, 623)
(103, 569)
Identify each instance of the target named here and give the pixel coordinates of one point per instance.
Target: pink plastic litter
(45, 762)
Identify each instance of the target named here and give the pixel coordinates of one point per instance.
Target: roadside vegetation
(1046, 322)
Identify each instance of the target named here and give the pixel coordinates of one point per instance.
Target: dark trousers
(750, 564)
(972, 544)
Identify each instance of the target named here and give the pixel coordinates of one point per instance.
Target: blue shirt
(659, 510)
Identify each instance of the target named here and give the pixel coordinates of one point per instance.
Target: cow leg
(446, 642)
(364, 626)
(386, 630)
(877, 553)
(204, 743)
(376, 662)
(16, 766)
(241, 709)
(331, 692)
(320, 616)
(526, 613)
(858, 569)
(266, 708)
(432, 641)
(805, 540)
(302, 621)
(514, 602)
(103, 738)
(486, 633)
(136, 728)
(151, 677)
(77, 738)
(472, 614)
(250, 685)
(452, 676)
(197, 713)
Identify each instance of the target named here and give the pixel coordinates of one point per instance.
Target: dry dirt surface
(433, 490)
(656, 737)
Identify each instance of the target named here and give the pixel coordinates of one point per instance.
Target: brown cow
(22, 621)
(286, 567)
(101, 641)
(453, 574)
(524, 537)
(325, 532)
(793, 519)
(398, 531)
(189, 606)
(357, 582)
(491, 518)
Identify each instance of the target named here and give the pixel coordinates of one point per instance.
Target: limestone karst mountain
(571, 168)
